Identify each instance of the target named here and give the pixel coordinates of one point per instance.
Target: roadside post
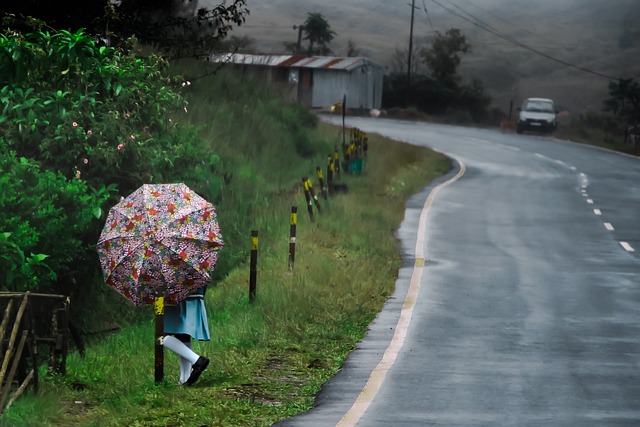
(253, 266)
(323, 189)
(293, 220)
(307, 196)
(158, 309)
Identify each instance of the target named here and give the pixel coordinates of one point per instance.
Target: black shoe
(200, 365)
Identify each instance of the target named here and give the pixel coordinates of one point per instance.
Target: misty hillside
(568, 45)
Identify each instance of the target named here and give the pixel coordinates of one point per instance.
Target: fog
(547, 48)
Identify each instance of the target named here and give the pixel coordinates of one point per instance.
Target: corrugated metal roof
(295, 61)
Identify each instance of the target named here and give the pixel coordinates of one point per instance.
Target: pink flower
(85, 161)
(75, 124)
(78, 174)
(89, 132)
(120, 146)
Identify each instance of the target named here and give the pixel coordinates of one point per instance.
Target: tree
(352, 49)
(318, 31)
(175, 26)
(625, 99)
(443, 57)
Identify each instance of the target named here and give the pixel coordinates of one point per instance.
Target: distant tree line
(441, 90)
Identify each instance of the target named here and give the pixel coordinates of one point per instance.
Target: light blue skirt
(188, 317)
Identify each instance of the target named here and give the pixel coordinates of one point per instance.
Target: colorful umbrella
(162, 240)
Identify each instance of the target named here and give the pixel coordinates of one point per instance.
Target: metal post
(158, 309)
(253, 266)
(292, 236)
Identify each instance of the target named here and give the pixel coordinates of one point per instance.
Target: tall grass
(269, 358)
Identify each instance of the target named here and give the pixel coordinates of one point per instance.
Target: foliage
(179, 28)
(442, 92)
(175, 26)
(625, 99)
(79, 122)
(443, 57)
(42, 211)
(318, 32)
(92, 112)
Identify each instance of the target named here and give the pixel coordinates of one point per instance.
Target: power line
(424, 5)
(515, 42)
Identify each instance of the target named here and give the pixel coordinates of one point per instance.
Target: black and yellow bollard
(158, 310)
(323, 189)
(253, 266)
(307, 196)
(309, 185)
(293, 221)
(330, 174)
(336, 161)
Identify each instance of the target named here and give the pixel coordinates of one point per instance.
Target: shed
(316, 81)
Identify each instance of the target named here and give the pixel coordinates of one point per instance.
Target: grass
(269, 358)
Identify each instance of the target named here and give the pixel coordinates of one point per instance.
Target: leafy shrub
(93, 111)
(45, 215)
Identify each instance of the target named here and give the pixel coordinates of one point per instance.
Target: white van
(537, 114)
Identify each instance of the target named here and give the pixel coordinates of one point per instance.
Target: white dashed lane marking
(608, 226)
(627, 247)
(597, 211)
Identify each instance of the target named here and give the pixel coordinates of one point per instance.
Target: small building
(315, 81)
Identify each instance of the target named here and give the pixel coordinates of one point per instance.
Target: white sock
(185, 367)
(179, 348)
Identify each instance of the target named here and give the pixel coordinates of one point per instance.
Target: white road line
(371, 388)
(540, 155)
(627, 247)
(608, 226)
(597, 211)
(573, 168)
(590, 201)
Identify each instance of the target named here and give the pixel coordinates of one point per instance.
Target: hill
(520, 48)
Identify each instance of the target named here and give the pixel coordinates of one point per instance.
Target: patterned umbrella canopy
(162, 240)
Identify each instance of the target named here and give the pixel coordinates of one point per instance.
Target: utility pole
(413, 8)
(299, 28)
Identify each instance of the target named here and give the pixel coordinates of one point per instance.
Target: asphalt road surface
(519, 300)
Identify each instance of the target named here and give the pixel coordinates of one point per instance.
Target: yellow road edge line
(371, 388)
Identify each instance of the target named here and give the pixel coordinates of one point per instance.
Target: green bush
(93, 111)
(44, 217)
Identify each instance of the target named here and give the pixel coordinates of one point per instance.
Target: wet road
(526, 308)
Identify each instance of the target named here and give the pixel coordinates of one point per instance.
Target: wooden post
(292, 236)
(307, 196)
(253, 267)
(158, 309)
(14, 366)
(14, 334)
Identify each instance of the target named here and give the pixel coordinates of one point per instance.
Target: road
(526, 308)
